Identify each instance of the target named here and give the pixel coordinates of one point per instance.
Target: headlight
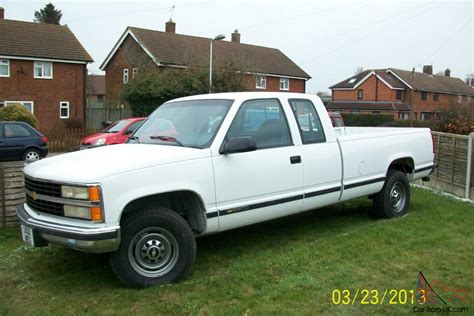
(100, 141)
(92, 213)
(80, 193)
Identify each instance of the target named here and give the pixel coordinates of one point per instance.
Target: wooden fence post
(469, 166)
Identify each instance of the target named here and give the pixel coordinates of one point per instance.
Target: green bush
(358, 119)
(16, 112)
(416, 123)
(74, 123)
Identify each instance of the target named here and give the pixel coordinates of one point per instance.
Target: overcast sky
(328, 39)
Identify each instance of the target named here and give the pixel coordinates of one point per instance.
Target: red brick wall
(68, 84)
(273, 84)
(373, 90)
(429, 105)
(130, 55)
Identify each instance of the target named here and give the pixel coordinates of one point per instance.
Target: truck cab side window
(265, 121)
(311, 129)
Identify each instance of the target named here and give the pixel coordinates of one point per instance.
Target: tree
(48, 15)
(16, 112)
(358, 70)
(150, 89)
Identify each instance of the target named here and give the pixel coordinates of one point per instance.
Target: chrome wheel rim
(32, 156)
(398, 197)
(153, 252)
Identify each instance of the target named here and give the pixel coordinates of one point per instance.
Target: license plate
(27, 235)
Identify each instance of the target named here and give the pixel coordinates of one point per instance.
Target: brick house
(399, 92)
(95, 90)
(43, 67)
(267, 69)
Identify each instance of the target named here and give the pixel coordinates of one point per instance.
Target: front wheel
(394, 199)
(31, 155)
(157, 247)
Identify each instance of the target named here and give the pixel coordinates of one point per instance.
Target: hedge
(358, 119)
(16, 112)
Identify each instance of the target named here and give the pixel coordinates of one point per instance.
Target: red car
(115, 133)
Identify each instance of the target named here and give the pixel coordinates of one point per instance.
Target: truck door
(320, 155)
(265, 183)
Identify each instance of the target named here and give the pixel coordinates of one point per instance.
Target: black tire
(31, 155)
(157, 247)
(394, 199)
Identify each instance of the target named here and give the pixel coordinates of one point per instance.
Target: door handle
(295, 159)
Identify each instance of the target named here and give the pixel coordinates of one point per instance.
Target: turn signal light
(94, 194)
(96, 214)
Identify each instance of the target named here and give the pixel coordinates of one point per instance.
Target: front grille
(47, 189)
(42, 187)
(45, 206)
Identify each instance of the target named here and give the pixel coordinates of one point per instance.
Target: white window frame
(64, 105)
(125, 76)
(260, 82)
(134, 72)
(459, 98)
(41, 64)
(2, 63)
(7, 103)
(469, 98)
(285, 82)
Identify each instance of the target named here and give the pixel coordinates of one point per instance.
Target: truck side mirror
(238, 145)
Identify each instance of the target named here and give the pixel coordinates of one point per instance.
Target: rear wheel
(31, 155)
(394, 199)
(157, 247)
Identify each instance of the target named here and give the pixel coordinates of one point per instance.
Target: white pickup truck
(204, 164)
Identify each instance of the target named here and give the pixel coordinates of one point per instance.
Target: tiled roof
(184, 50)
(28, 39)
(355, 80)
(368, 106)
(434, 83)
(95, 84)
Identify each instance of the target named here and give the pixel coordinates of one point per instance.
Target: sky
(327, 39)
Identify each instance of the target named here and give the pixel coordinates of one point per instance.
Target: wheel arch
(187, 203)
(404, 164)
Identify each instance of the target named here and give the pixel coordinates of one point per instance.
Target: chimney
(428, 69)
(170, 27)
(2, 13)
(236, 36)
(447, 72)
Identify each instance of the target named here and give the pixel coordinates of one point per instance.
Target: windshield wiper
(170, 139)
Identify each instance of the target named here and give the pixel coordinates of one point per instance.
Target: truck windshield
(183, 123)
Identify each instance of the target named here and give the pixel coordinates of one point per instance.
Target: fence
(454, 155)
(11, 192)
(66, 139)
(95, 116)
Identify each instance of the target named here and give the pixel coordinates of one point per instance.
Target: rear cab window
(265, 121)
(309, 124)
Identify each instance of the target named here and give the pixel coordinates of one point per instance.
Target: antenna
(172, 11)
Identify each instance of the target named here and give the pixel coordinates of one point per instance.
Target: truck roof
(244, 95)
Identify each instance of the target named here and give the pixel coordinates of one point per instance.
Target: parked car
(336, 119)
(21, 141)
(115, 133)
(254, 164)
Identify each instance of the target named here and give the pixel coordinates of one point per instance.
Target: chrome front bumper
(96, 240)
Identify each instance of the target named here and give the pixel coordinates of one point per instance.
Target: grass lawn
(286, 266)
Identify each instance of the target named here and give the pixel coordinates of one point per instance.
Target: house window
(360, 94)
(468, 98)
(426, 116)
(399, 95)
(435, 96)
(261, 82)
(29, 105)
(134, 72)
(125, 76)
(404, 115)
(459, 98)
(100, 98)
(64, 109)
(43, 70)
(375, 112)
(284, 84)
(423, 95)
(4, 68)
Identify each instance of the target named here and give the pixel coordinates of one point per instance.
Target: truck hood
(89, 166)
